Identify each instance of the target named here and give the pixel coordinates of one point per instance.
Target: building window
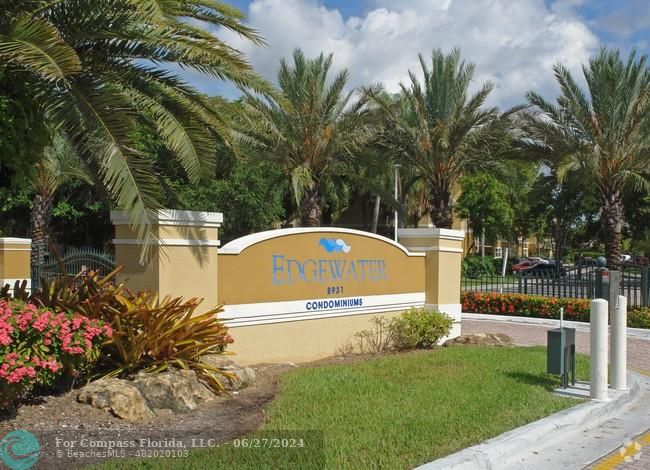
(525, 251)
(498, 252)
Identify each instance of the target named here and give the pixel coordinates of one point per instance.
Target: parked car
(526, 264)
(539, 260)
(543, 270)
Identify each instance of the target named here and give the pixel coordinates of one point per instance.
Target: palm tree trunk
(611, 221)
(375, 214)
(41, 217)
(440, 208)
(310, 208)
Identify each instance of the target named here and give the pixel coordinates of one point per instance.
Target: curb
(508, 449)
(640, 333)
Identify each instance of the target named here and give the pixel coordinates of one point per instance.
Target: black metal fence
(570, 283)
(73, 262)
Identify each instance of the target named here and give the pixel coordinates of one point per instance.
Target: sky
(513, 43)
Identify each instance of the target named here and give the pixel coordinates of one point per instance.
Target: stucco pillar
(183, 260)
(444, 255)
(15, 261)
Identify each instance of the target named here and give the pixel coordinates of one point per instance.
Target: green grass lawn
(396, 411)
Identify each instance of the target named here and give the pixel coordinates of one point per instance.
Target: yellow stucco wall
(297, 341)
(247, 277)
(14, 259)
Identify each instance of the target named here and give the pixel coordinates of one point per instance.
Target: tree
(601, 135)
(485, 203)
(23, 132)
(309, 127)
(60, 165)
(562, 210)
(101, 68)
(440, 129)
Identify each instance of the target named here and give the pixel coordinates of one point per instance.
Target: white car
(626, 258)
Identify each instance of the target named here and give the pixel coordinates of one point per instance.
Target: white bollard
(598, 349)
(619, 345)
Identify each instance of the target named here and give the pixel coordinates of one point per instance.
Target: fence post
(598, 349)
(619, 345)
(644, 286)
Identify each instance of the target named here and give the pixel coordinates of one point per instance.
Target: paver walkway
(635, 455)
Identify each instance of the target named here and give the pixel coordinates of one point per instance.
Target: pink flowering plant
(38, 345)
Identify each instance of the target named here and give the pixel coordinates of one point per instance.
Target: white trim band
(15, 241)
(174, 217)
(168, 242)
(437, 233)
(436, 249)
(276, 312)
(237, 246)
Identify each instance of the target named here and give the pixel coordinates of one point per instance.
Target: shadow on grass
(546, 381)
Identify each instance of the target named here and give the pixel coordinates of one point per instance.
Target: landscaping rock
(217, 361)
(117, 396)
(481, 339)
(240, 377)
(177, 390)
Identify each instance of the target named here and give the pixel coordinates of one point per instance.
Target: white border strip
(439, 233)
(174, 217)
(436, 249)
(237, 246)
(15, 241)
(277, 312)
(168, 242)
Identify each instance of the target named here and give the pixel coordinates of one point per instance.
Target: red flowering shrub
(37, 345)
(525, 305)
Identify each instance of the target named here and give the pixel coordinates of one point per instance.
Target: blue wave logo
(334, 245)
(19, 450)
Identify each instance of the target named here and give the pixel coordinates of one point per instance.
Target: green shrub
(420, 328)
(475, 266)
(639, 318)
(39, 347)
(380, 337)
(149, 334)
(537, 306)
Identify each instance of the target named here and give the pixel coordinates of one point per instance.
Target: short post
(619, 345)
(598, 348)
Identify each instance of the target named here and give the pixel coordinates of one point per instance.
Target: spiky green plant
(602, 134)
(101, 67)
(437, 126)
(309, 128)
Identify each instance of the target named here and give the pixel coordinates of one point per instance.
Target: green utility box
(561, 354)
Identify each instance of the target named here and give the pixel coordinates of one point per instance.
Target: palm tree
(101, 68)
(441, 129)
(60, 165)
(309, 127)
(602, 135)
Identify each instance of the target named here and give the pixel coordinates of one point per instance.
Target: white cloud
(512, 43)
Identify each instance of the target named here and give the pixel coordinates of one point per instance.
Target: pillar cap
(441, 233)
(15, 241)
(174, 217)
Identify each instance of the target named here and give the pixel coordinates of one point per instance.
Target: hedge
(541, 307)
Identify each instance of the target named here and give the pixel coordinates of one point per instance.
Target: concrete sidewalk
(594, 435)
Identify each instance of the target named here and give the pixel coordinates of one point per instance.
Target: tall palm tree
(441, 129)
(603, 134)
(61, 164)
(101, 67)
(310, 127)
